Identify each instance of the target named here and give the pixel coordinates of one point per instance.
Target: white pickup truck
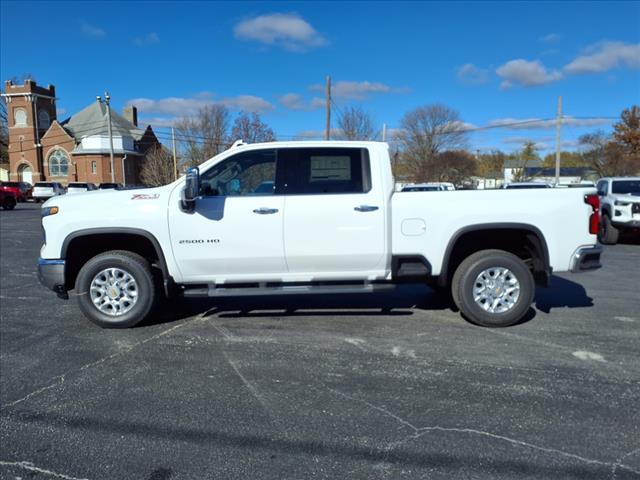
(305, 217)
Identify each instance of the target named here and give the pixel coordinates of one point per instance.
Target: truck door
(334, 218)
(236, 228)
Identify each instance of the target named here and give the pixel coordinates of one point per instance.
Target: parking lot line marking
(32, 468)
(584, 355)
(625, 319)
(356, 342)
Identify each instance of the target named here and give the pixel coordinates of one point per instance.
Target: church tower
(30, 111)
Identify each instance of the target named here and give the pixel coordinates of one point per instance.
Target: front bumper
(586, 258)
(51, 275)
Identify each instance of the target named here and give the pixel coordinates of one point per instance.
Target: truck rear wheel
(116, 289)
(608, 234)
(493, 288)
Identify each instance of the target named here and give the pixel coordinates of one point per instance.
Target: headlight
(46, 211)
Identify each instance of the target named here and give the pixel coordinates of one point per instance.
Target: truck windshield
(631, 187)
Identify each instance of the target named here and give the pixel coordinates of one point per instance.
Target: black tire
(465, 277)
(608, 234)
(9, 203)
(134, 265)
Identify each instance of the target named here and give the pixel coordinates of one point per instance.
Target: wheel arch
(93, 241)
(472, 238)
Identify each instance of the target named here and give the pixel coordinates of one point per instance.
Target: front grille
(635, 208)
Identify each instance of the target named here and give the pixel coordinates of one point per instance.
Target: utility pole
(107, 102)
(327, 133)
(384, 132)
(558, 126)
(175, 161)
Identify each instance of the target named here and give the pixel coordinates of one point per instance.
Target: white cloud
(157, 121)
(469, 73)
(540, 124)
(317, 102)
(287, 30)
(91, 30)
(526, 73)
(605, 56)
(248, 103)
(185, 107)
(356, 90)
(294, 101)
(148, 39)
(318, 134)
(550, 38)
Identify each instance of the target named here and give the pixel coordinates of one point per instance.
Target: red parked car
(22, 190)
(7, 198)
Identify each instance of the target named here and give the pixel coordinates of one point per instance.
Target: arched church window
(58, 164)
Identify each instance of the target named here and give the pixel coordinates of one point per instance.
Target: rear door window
(318, 171)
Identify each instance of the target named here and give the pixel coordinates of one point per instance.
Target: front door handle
(366, 208)
(265, 211)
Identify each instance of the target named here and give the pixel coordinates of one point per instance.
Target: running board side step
(221, 291)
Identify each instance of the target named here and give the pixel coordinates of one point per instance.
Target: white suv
(45, 190)
(619, 206)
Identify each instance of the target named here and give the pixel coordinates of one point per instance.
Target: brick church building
(74, 150)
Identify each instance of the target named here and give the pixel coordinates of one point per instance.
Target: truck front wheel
(493, 288)
(608, 234)
(116, 289)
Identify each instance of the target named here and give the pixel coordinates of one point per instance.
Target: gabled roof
(93, 120)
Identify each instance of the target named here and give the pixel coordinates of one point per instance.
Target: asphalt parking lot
(369, 387)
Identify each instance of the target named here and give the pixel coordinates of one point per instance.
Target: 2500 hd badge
(199, 241)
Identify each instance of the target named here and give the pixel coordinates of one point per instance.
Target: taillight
(594, 219)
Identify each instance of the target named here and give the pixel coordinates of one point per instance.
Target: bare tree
(593, 147)
(425, 132)
(157, 169)
(355, 124)
(491, 164)
(525, 157)
(457, 166)
(250, 128)
(204, 135)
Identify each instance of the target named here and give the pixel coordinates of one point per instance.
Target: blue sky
(494, 62)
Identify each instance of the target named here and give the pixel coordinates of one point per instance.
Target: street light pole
(107, 99)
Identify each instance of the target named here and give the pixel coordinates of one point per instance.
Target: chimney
(131, 114)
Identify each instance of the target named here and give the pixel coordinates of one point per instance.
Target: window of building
(58, 163)
(249, 173)
(94, 167)
(43, 120)
(20, 117)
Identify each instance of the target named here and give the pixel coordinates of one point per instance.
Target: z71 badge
(145, 196)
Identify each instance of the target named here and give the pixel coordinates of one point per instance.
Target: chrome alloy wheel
(496, 290)
(114, 291)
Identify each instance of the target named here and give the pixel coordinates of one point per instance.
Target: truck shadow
(562, 293)
(403, 301)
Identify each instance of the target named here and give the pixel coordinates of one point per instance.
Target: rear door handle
(366, 208)
(265, 211)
